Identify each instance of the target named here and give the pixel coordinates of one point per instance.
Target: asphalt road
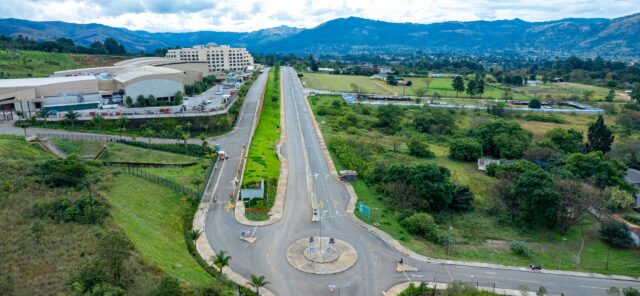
(310, 182)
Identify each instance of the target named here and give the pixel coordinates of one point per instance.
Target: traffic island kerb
(321, 256)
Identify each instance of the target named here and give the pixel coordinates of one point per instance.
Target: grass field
(442, 86)
(118, 152)
(563, 90)
(26, 63)
(16, 147)
(151, 215)
(126, 153)
(478, 234)
(183, 176)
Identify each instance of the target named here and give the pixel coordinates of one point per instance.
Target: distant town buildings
(220, 58)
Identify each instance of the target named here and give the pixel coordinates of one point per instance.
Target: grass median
(263, 162)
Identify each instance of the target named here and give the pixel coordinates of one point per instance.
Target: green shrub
(520, 248)
(465, 149)
(192, 149)
(85, 210)
(418, 148)
(462, 199)
(616, 234)
(421, 224)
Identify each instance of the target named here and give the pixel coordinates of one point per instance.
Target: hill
(613, 38)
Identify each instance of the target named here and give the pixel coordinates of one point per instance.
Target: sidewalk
(397, 289)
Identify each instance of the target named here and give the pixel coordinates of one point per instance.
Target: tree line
(63, 45)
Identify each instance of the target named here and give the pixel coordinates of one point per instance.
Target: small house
(484, 162)
(248, 194)
(633, 178)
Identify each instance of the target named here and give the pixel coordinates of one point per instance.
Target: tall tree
(599, 137)
(113, 249)
(472, 87)
(539, 200)
(458, 85)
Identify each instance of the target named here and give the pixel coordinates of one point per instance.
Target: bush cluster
(85, 210)
(191, 149)
(521, 248)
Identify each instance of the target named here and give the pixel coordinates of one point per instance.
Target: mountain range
(614, 38)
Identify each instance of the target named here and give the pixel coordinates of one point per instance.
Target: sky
(250, 15)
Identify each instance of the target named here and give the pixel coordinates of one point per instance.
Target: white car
(207, 101)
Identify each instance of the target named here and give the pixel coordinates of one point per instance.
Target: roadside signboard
(364, 209)
(312, 250)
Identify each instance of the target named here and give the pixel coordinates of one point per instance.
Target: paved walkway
(397, 289)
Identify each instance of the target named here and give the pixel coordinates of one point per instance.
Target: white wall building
(220, 58)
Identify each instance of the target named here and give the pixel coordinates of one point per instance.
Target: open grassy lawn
(442, 86)
(26, 63)
(13, 147)
(126, 153)
(481, 235)
(151, 215)
(183, 176)
(82, 148)
(262, 161)
(563, 90)
(343, 83)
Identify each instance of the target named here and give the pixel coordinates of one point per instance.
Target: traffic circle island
(321, 255)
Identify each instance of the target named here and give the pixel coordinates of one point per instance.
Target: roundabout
(321, 255)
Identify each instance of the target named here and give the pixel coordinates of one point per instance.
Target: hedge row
(191, 149)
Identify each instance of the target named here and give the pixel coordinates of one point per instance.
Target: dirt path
(385, 87)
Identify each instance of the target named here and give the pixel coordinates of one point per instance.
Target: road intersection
(310, 184)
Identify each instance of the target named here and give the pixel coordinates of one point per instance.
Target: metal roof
(128, 74)
(633, 176)
(32, 82)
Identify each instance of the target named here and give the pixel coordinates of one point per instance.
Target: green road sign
(364, 209)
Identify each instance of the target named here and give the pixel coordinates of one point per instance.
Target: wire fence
(161, 181)
(80, 137)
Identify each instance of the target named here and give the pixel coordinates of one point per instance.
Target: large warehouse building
(91, 87)
(220, 58)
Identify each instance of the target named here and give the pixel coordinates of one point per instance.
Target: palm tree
(221, 259)
(123, 122)
(148, 132)
(42, 113)
(97, 121)
(258, 282)
(72, 116)
(185, 137)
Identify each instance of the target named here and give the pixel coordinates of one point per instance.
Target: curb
(413, 255)
(206, 251)
(399, 288)
(277, 210)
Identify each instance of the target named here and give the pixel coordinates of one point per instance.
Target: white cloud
(249, 15)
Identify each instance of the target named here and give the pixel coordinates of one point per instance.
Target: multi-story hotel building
(220, 58)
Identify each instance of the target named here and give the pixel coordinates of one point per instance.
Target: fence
(80, 137)
(161, 181)
(179, 148)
